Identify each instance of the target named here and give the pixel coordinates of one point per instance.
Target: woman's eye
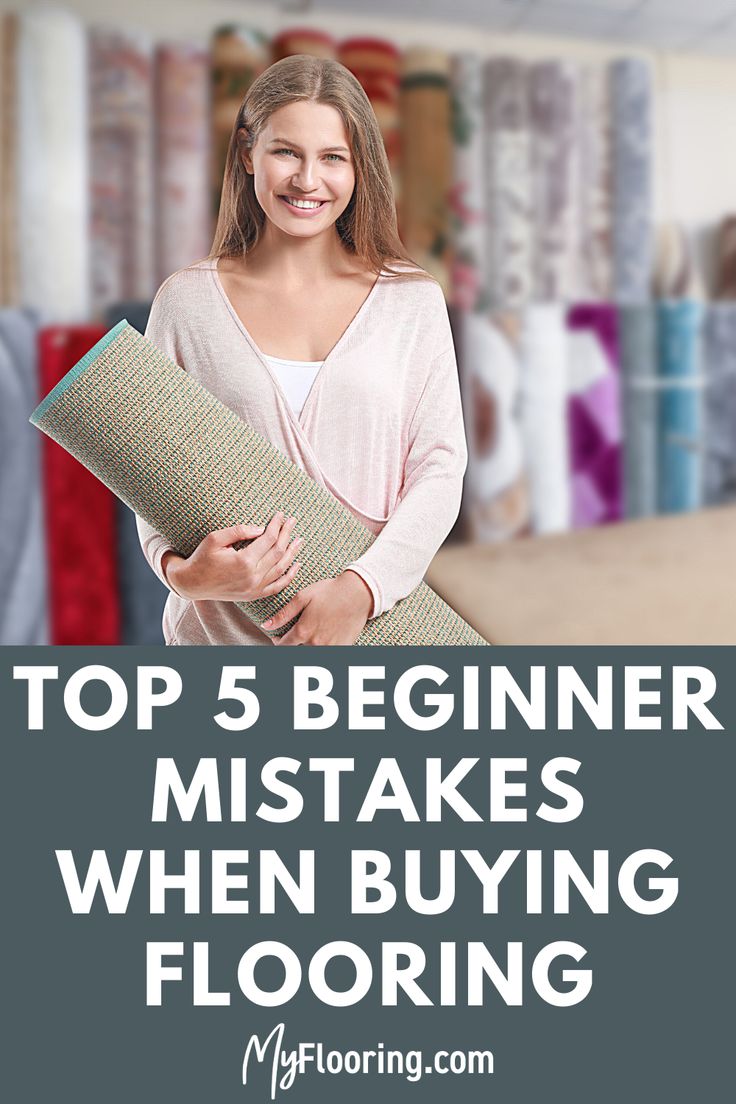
(336, 156)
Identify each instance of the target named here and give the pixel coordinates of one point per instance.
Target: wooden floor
(664, 580)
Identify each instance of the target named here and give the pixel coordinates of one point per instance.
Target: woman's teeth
(303, 202)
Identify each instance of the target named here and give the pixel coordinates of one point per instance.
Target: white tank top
(296, 378)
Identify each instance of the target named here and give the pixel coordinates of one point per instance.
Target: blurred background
(566, 170)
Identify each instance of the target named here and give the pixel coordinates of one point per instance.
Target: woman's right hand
(216, 570)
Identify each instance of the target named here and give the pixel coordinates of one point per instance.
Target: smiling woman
(307, 276)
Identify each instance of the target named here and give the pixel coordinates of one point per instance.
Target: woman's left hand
(333, 611)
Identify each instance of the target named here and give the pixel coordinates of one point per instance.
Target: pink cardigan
(381, 429)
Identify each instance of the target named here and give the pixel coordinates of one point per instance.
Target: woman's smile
(302, 206)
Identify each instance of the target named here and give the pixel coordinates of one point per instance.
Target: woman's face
(303, 169)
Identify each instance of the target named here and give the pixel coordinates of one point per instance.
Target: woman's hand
(216, 570)
(333, 611)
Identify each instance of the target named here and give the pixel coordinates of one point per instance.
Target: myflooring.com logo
(282, 1064)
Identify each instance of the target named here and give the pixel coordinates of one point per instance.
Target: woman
(310, 321)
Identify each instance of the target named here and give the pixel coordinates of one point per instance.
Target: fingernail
(266, 623)
(297, 540)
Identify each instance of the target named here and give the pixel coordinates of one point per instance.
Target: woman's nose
(307, 177)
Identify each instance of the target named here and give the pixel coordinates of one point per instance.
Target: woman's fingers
(282, 563)
(275, 531)
(282, 582)
(270, 557)
(223, 538)
(291, 609)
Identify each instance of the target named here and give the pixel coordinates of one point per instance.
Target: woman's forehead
(307, 123)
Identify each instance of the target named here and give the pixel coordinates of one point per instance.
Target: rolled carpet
(142, 594)
(23, 602)
(188, 465)
(80, 516)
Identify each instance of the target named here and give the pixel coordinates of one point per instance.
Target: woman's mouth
(302, 206)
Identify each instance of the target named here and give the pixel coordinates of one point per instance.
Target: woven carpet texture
(188, 465)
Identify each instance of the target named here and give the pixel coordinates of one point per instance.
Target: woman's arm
(217, 569)
(398, 558)
(430, 497)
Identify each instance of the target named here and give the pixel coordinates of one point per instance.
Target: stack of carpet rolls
(185, 463)
(597, 372)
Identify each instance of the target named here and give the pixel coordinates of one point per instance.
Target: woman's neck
(293, 261)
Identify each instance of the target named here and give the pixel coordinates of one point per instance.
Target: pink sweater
(381, 428)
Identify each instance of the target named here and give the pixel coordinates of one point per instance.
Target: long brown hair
(367, 227)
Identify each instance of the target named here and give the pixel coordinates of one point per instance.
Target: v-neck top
(381, 428)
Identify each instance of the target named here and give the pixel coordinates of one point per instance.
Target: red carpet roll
(80, 517)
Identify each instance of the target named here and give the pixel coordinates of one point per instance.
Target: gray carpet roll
(23, 584)
(181, 460)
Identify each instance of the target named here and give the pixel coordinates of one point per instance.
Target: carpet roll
(509, 202)
(187, 465)
(141, 592)
(554, 118)
(80, 518)
(679, 325)
(183, 223)
(426, 168)
(637, 327)
(633, 174)
(596, 257)
(594, 414)
(23, 607)
(303, 40)
(469, 273)
(719, 361)
(52, 164)
(543, 404)
(122, 166)
(496, 494)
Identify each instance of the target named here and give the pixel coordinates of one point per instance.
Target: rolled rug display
(496, 494)
(183, 222)
(121, 165)
(681, 381)
(554, 119)
(543, 404)
(23, 592)
(188, 465)
(303, 40)
(637, 328)
(596, 215)
(426, 168)
(469, 273)
(510, 242)
(633, 175)
(594, 414)
(80, 518)
(52, 165)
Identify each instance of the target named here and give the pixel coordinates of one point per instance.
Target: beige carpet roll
(188, 465)
(426, 165)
